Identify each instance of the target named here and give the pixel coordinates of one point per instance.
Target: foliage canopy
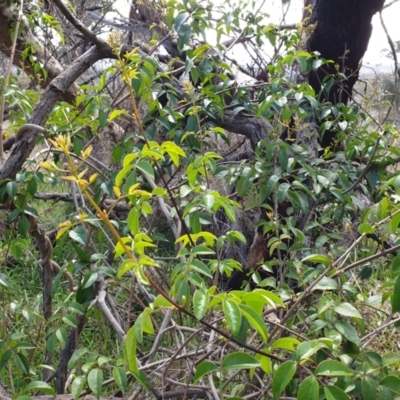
(218, 237)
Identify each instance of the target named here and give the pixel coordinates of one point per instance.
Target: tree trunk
(341, 30)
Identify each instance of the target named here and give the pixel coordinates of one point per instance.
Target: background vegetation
(176, 224)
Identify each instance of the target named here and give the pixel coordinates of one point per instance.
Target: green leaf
(133, 221)
(201, 250)
(317, 259)
(70, 320)
(282, 192)
(396, 296)
(22, 363)
(194, 222)
(39, 386)
(5, 358)
(181, 17)
(200, 267)
(200, 303)
(77, 386)
(239, 360)
(306, 350)
(368, 388)
(76, 356)
(394, 223)
(365, 228)
(144, 324)
(146, 167)
(208, 201)
(141, 377)
(335, 393)
(102, 118)
(130, 350)
(95, 381)
(122, 174)
(348, 331)
(161, 301)
(82, 255)
(79, 235)
(333, 368)
(232, 316)
(392, 383)
(309, 389)
(391, 358)
(120, 378)
(272, 181)
(266, 364)
(255, 320)
(14, 214)
(204, 368)
(384, 393)
(326, 284)
(24, 397)
(286, 343)
(396, 266)
(115, 114)
(11, 189)
(23, 225)
(348, 310)
(282, 377)
(228, 208)
(51, 342)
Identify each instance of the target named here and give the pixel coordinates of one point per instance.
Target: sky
(378, 45)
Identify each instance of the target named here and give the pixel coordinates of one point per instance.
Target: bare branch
(52, 66)
(87, 33)
(390, 4)
(54, 92)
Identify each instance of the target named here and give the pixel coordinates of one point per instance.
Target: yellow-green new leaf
(317, 259)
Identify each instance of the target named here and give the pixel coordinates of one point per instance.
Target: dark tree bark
(342, 32)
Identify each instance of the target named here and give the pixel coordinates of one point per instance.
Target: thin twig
(114, 323)
(377, 331)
